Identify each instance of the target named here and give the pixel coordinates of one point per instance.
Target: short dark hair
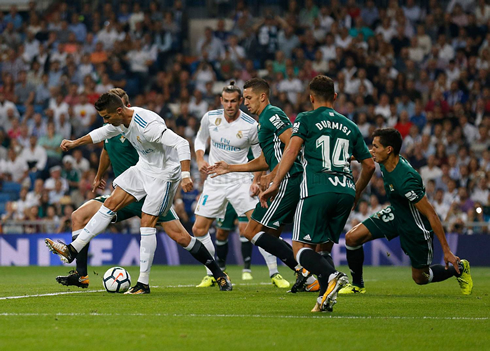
(258, 85)
(389, 137)
(232, 88)
(109, 102)
(322, 87)
(122, 94)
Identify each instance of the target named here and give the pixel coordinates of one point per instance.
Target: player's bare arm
(287, 161)
(104, 163)
(67, 145)
(202, 165)
(367, 170)
(255, 187)
(221, 167)
(186, 183)
(426, 209)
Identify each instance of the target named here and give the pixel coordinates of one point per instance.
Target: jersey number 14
(340, 155)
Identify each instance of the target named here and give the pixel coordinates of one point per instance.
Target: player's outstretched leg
(197, 249)
(438, 273)
(208, 280)
(176, 231)
(95, 226)
(273, 245)
(200, 229)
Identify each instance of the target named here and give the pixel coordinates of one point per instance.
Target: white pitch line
(50, 294)
(89, 291)
(323, 316)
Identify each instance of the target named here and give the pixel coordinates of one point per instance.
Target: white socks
(208, 244)
(270, 260)
(147, 252)
(97, 224)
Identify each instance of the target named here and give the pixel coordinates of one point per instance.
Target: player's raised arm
(105, 132)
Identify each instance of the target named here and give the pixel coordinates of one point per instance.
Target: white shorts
(215, 197)
(159, 193)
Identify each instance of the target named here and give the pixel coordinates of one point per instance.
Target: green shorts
(134, 210)
(228, 223)
(321, 218)
(282, 209)
(415, 242)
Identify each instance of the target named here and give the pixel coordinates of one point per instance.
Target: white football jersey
(145, 132)
(230, 142)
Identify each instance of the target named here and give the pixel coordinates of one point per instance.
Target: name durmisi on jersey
(333, 125)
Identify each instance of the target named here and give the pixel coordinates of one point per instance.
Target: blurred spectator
(431, 171)
(34, 197)
(51, 143)
(55, 176)
(81, 163)
(15, 168)
(210, 44)
(69, 173)
(84, 115)
(35, 156)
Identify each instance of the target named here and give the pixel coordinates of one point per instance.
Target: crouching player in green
(410, 216)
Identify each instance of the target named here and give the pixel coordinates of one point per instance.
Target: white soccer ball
(117, 280)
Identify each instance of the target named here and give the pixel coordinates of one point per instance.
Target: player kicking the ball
(232, 134)
(409, 216)
(164, 163)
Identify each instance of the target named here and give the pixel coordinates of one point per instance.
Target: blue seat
(4, 197)
(11, 187)
(2, 207)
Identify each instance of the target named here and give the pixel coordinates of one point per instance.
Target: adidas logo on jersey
(307, 237)
(277, 224)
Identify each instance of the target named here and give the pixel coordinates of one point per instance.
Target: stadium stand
(421, 67)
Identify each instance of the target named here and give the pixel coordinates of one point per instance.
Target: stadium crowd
(422, 68)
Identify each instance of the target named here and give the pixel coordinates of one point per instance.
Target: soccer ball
(117, 280)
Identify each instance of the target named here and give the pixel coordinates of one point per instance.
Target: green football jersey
(122, 154)
(405, 188)
(330, 139)
(272, 123)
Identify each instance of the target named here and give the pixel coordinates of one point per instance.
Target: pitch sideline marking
(238, 316)
(49, 294)
(89, 291)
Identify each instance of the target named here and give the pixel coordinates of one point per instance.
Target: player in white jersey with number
(232, 133)
(164, 163)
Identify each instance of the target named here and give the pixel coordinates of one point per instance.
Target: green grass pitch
(394, 314)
